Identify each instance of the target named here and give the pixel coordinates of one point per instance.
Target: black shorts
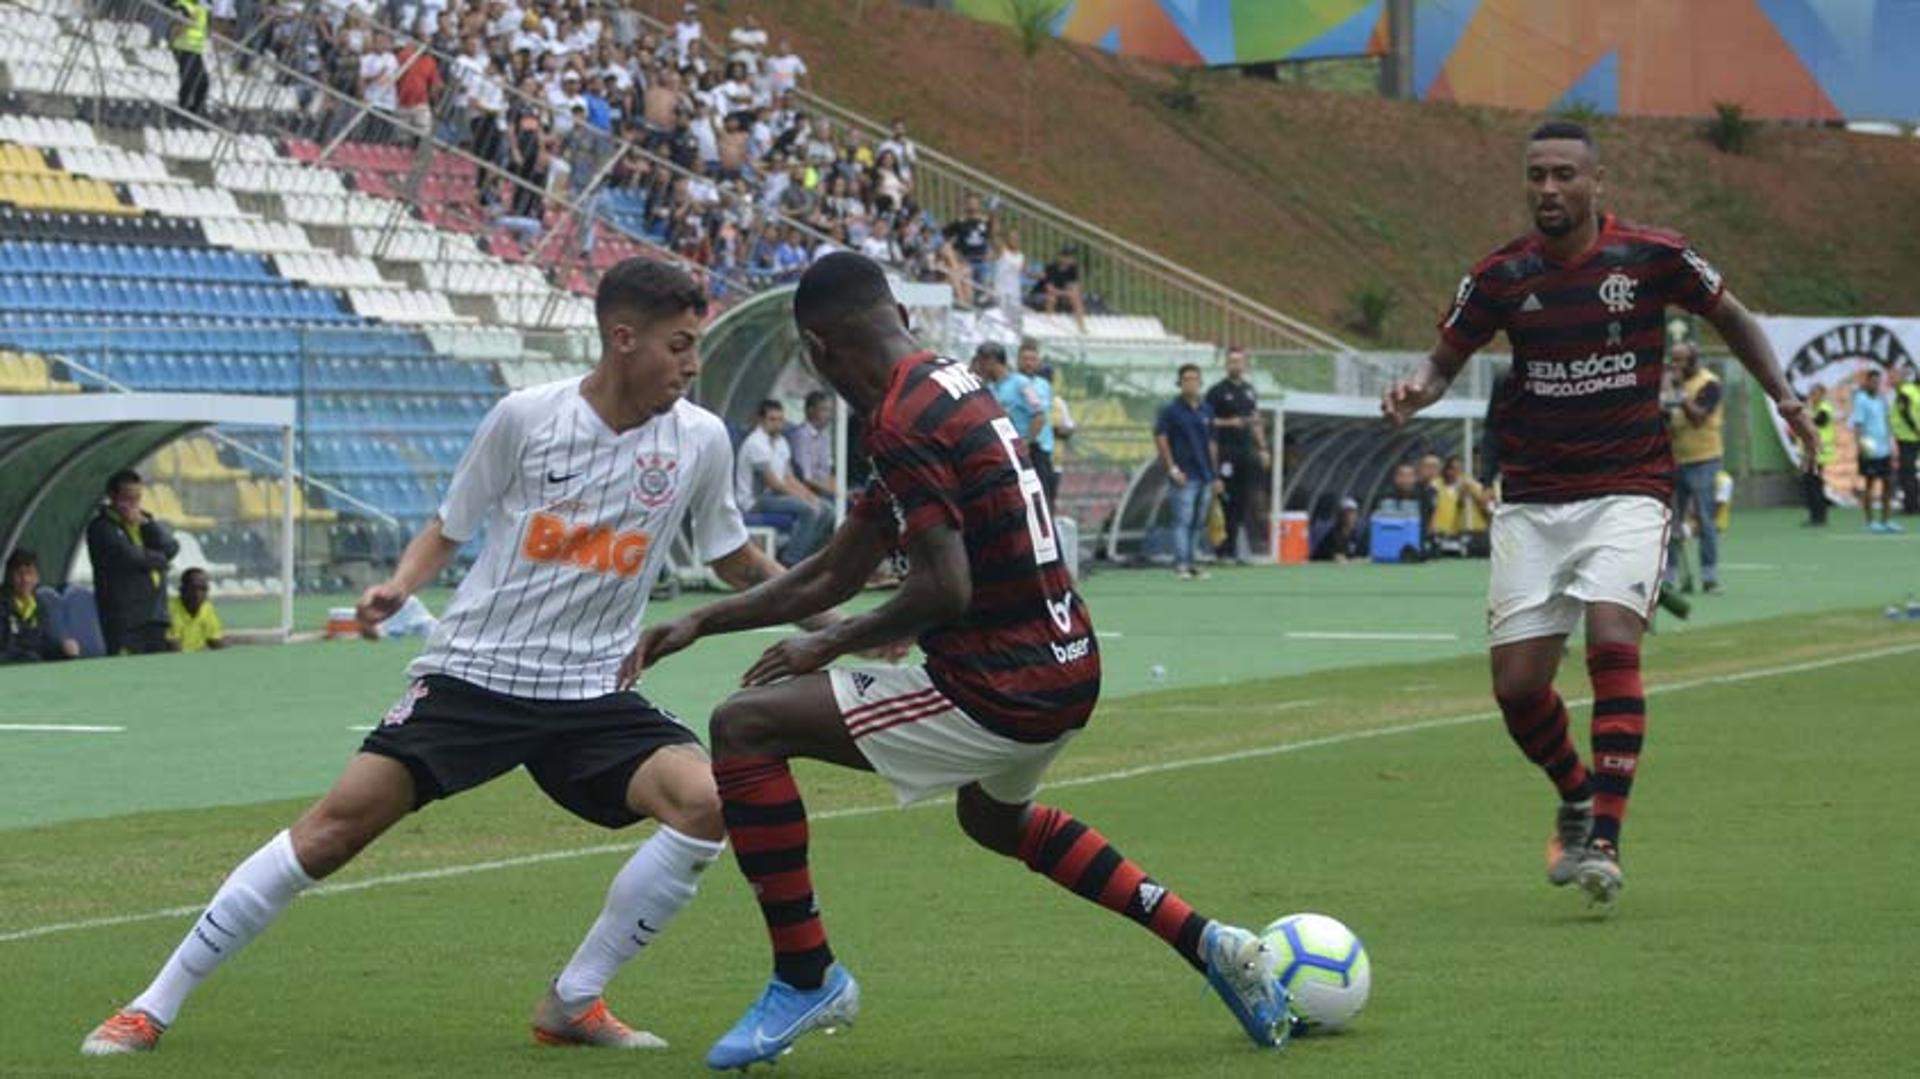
(454, 736)
(1876, 468)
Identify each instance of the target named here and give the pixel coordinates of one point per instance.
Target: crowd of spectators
(722, 162)
(131, 612)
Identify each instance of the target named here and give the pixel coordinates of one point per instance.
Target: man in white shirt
(904, 151)
(379, 69)
(686, 33)
(764, 485)
(785, 71)
(747, 42)
(581, 486)
(879, 244)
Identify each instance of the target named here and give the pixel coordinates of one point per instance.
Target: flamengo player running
(1586, 470)
(1012, 672)
(581, 485)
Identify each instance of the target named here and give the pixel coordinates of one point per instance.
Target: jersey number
(1046, 546)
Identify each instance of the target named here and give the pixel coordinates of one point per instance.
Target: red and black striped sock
(768, 825)
(1080, 859)
(1619, 725)
(1539, 727)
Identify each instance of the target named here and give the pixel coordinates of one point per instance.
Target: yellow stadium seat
(310, 513)
(165, 461)
(205, 460)
(254, 504)
(27, 374)
(17, 158)
(164, 503)
(38, 368)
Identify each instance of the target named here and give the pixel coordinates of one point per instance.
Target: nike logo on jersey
(551, 478)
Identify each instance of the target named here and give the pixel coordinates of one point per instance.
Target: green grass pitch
(1767, 925)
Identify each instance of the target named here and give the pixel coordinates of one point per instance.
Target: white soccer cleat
(124, 1032)
(1600, 877)
(593, 1025)
(1241, 969)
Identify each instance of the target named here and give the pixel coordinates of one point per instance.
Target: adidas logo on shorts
(862, 681)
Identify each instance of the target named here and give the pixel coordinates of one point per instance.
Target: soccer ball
(1325, 968)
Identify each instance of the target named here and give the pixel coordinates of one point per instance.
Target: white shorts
(924, 745)
(1552, 559)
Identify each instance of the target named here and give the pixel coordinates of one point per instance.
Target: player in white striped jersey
(580, 485)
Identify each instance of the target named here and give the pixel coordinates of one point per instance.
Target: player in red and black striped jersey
(1012, 671)
(1586, 469)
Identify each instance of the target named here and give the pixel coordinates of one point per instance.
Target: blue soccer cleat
(781, 1015)
(1241, 969)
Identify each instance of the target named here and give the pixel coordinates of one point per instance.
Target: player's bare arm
(770, 595)
(749, 567)
(426, 556)
(1406, 397)
(1749, 344)
(938, 590)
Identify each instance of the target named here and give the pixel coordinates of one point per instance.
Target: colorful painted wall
(1781, 59)
(1211, 32)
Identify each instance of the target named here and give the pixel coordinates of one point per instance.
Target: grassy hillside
(1299, 197)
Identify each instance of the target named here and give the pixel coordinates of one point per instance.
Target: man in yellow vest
(1906, 434)
(1695, 416)
(190, 53)
(1813, 483)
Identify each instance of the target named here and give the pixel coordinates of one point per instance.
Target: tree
(1033, 28)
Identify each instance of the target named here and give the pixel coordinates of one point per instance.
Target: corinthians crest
(654, 482)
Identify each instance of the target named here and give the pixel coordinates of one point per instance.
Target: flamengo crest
(1617, 292)
(654, 484)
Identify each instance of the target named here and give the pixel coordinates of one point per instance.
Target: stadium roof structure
(57, 452)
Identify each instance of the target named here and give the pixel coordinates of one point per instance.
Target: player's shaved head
(1564, 178)
(1556, 130)
(840, 288)
(853, 328)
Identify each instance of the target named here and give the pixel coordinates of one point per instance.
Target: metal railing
(255, 94)
(1128, 277)
(449, 115)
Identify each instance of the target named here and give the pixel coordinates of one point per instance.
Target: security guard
(190, 53)
(1696, 419)
(1813, 484)
(1906, 433)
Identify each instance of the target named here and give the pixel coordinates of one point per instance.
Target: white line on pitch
(1342, 635)
(60, 728)
(1756, 567)
(1233, 757)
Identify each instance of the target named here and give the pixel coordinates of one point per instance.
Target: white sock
(645, 895)
(253, 895)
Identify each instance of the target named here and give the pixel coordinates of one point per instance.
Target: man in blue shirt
(1183, 434)
(1041, 444)
(1015, 393)
(1873, 430)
